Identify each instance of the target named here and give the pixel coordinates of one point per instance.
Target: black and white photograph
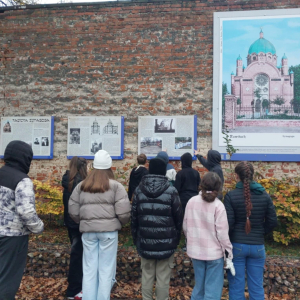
(95, 128)
(164, 125)
(96, 145)
(36, 141)
(7, 127)
(74, 136)
(151, 145)
(45, 141)
(110, 128)
(183, 143)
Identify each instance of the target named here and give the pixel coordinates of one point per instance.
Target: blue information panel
(174, 134)
(37, 131)
(88, 134)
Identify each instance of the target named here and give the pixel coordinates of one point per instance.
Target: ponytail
(245, 171)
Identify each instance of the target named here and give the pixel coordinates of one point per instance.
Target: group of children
(163, 203)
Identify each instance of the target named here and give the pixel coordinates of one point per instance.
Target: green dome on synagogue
(262, 45)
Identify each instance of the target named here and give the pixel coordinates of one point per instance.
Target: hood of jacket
(153, 186)
(186, 160)
(213, 158)
(255, 187)
(18, 155)
(164, 155)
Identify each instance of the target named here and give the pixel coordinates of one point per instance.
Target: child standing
(212, 164)
(156, 221)
(171, 173)
(72, 177)
(137, 174)
(205, 226)
(187, 180)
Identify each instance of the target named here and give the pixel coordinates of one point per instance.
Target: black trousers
(13, 254)
(75, 268)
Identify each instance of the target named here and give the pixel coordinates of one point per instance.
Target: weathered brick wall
(127, 58)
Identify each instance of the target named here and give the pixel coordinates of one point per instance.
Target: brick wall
(127, 58)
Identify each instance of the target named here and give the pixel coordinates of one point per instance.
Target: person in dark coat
(251, 215)
(187, 180)
(77, 173)
(18, 217)
(171, 173)
(137, 174)
(156, 221)
(212, 164)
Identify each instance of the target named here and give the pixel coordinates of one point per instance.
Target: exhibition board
(37, 131)
(88, 134)
(174, 134)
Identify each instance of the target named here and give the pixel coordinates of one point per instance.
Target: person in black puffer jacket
(156, 221)
(251, 215)
(187, 180)
(77, 173)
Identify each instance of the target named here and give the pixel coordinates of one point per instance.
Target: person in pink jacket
(205, 226)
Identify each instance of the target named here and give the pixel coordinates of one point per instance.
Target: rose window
(261, 80)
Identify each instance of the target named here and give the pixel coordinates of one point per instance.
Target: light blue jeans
(249, 258)
(209, 277)
(99, 264)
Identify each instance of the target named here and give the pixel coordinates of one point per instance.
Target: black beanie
(157, 166)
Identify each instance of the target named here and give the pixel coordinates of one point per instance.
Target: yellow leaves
(48, 198)
(286, 198)
(280, 238)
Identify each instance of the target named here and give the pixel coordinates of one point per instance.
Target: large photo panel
(174, 134)
(37, 131)
(88, 134)
(256, 95)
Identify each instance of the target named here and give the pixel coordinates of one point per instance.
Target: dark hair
(77, 165)
(97, 181)
(245, 171)
(210, 186)
(141, 159)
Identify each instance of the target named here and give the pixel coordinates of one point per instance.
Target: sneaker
(76, 297)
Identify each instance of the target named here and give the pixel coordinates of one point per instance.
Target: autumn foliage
(48, 197)
(286, 198)
(285, 194)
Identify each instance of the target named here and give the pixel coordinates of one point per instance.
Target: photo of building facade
(110, 128)
(265, 72)
(95, 128)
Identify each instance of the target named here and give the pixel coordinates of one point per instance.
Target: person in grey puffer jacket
(101, 206)
(18, 216)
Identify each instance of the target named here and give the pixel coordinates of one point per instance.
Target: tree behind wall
(4, 3)
(296, 100)
(224, 92)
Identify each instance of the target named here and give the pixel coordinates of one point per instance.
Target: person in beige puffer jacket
(101, 206)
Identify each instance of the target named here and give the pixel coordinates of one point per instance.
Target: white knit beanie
(102, 160)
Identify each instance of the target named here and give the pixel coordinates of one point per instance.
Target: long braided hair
(245, 171)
